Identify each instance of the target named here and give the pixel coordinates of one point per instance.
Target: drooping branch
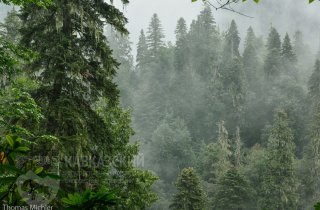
(225, 5)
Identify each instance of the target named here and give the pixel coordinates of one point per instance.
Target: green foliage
(314, 85)
(42, 3)
(154, 36)
(272, 61)
(102, 199)
(280, 183)
(171, 148)
(232, 192)
(190, 195)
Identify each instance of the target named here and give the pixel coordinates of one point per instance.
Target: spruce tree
(311, 163)
(314, 84)
(232, 42)
(181, 49)
(279, 181)
(205, 44)
(75, 70)
(215, 161)
(232, 191)
(251, 60)
(287, 50)
(126, 77)
(272, 64)
(155, 37)
(142, 50)
(9, 29)
(190, 195)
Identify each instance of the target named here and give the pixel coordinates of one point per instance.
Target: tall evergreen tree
(287, 50)
(289, 59)
(215, 161)
(311, 163)
(272, 62)
(75, 70)
(11, 26)
(181, 50)
(155, 36)
(205, 44)
(314, 84)
(232, 42)
(142, 50)
(232, 192)
(280, 183)
(126, 77)
(250, 59)
(190, 195)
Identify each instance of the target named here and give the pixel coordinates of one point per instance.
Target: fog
(223, 105)
(286, 16)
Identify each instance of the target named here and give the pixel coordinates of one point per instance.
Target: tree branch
(226, 6)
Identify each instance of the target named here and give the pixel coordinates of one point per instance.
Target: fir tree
(126, 77)
(216, 157)
(272, 62)
(190, 195)
(142, 50)
(9, 29)
(76, 72)
(314, 84)
(232, 192)
(232, 41)
(280, 183)
(250, 60)
(155, 36)
(205, 44)
(181, 50)
(311, 163)
(287, 50)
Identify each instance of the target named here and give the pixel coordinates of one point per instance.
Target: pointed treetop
(181, 29)
(155, 35)
(232, 40)
(287, 50)
(142, 49)
(274, 41)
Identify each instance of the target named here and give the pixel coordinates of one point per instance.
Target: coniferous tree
(289, 59)
(181, 49)
(232, 42)
(250, 60)
(11, 26)
(142, 50)
(314, 84)
(232, 192)
(215, 161)
(125, 78)
(76, 72)
(272, 61)
(190, 195)
(205, 44)
(170, 149)
(279, 181)
(311, 163)
(287, 50)
(155, 37)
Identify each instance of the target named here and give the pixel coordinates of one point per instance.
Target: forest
(211, 121)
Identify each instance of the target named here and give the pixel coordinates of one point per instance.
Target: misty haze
(156, 105)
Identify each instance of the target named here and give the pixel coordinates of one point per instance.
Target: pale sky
(285, 15)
